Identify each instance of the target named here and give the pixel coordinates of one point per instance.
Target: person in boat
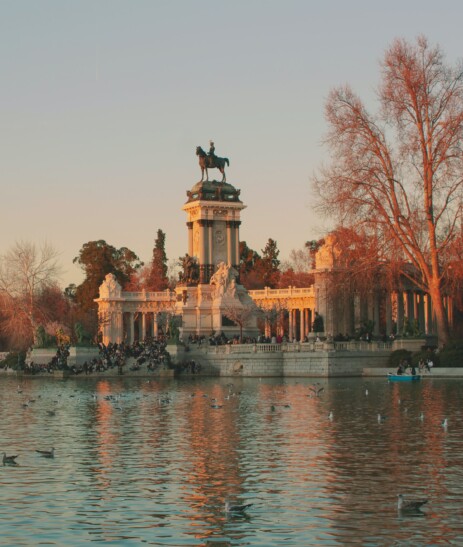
(412, 370)
(400, 369)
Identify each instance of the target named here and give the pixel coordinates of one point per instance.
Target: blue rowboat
(403, 377)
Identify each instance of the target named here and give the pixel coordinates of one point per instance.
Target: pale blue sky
(102, 104)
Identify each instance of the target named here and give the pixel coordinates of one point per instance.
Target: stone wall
(219, 362)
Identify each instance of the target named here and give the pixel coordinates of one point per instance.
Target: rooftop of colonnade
(141, 296)
(285, 297)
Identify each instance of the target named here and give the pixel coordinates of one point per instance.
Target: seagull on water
(330, 415)
(47, 453)
(409, 506)
(9, 460)
(236, 509)
(381, 418)
(445, 423)
(316, 390)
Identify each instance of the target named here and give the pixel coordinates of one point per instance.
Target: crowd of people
(423, 366)
(150, 353)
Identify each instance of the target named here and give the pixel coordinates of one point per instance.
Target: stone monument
(213, 219)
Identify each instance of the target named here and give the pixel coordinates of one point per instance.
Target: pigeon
(9, 460)
(409, 506)
(236, 509)
(47, 453)
(381, 419)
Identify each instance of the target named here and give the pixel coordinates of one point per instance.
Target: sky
(103, 102)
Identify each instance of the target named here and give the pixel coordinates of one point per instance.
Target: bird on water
(47, 453)
(236, 509)
(409, 506)
(9, 460)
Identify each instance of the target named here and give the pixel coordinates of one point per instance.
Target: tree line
(30, 296)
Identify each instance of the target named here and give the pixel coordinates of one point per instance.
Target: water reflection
(146, 461)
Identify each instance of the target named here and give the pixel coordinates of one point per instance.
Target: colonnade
(119, 326)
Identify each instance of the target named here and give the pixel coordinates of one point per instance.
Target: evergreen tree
(269, 264)
(157, 278)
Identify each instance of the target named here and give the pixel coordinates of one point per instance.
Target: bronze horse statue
(208, 162)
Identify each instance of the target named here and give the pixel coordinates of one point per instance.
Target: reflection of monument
(213, 219)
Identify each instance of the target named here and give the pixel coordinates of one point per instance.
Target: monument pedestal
(208, 309)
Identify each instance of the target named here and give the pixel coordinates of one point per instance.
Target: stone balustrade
(297, 347)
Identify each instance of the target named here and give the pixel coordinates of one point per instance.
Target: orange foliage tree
(398, 176)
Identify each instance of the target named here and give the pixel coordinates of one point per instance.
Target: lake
(139, 460)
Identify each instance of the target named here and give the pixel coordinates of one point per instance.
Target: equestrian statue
(209, 161)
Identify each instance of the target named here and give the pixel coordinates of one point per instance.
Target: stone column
(290, 326)
(143, 327)
(130, 328)
(120, 327)
(309, 320)
(210, 263)
(229, 224)
(155, 325)
(388, 314)
(237, 244)
(302, 324)
(190, 238)
(400, 312)
(202, 251)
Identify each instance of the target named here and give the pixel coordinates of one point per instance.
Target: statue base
(206, 311)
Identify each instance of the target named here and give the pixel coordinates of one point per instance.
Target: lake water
(133, 465)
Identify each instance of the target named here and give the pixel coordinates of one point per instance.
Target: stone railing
(163, 296)
(281, 293)
(297, 347)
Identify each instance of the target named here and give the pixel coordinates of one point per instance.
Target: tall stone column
(388, 313)
(119, 328)
(202, 252)
(427, 326)
(190, 238)
(237, 244)
(143, 326)
(290, 325)
(130, 328)
(210, 261)
(302, 324)
(400, 312)
(229, 224)
(155, 325)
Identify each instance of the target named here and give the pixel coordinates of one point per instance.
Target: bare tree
(240, 315)
(398, 175)
(25, 272)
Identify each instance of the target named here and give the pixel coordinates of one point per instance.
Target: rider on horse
(211, 152)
